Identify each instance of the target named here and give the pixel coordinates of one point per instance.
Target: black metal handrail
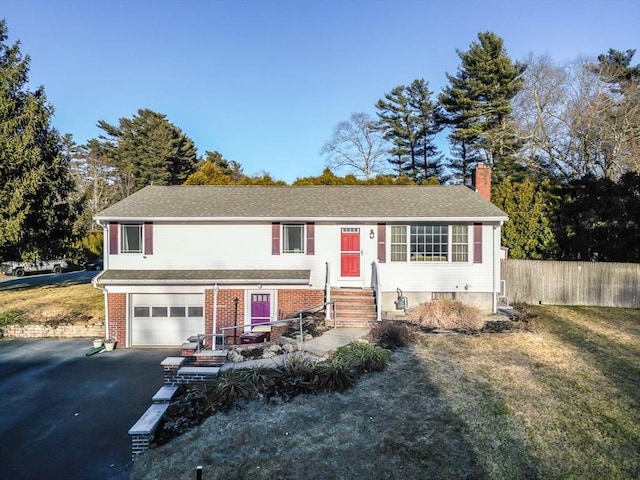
(275, 323)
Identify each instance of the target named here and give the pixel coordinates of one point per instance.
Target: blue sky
(264, 82)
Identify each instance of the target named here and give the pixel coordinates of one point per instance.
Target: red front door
(260, 308)
(350, 252)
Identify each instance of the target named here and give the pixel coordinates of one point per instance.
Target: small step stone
(209, 371)
(165, 394)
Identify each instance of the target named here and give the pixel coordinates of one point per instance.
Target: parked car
(20, 268)
(96, 264)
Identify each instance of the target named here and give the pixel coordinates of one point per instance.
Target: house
(187, 260)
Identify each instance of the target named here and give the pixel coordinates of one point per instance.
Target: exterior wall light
(371, 234)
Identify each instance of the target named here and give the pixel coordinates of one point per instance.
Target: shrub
(362, 357)
(392, 335)
(447, 314)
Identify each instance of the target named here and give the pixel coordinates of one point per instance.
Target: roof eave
(224, 281)
(304, 219)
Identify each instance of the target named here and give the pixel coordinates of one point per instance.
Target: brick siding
(117, 305)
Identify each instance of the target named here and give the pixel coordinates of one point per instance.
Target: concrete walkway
(315, 348)
(333, 339)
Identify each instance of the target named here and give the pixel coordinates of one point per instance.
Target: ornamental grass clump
(230, 387)
(362, 357)
(448, 315)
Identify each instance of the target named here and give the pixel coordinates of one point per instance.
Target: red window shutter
(113, 239)
(275, 239)
(311, 240)
(148, 238)
(477, 243)
(382, 242)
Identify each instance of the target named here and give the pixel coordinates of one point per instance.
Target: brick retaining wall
(36, 330)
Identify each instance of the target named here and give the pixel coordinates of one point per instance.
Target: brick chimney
(481, 180)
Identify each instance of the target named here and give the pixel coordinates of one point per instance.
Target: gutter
(204, 282)
(305, 219)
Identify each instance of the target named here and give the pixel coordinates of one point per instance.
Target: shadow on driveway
(65, 415)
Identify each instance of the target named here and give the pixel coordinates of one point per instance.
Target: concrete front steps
(354, 306)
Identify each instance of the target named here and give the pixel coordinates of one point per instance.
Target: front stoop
(354, 306)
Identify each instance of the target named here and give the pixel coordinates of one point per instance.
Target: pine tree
(410, 121)
(478, 103)
(36, 210)
(148, 149)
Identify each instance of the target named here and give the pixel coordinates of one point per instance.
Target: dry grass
(74, 304)
(559, 403)
(447, 314)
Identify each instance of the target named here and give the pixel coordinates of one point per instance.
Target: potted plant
(109, 344)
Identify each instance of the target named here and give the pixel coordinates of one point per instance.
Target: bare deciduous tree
(357, 145)
(574, 123)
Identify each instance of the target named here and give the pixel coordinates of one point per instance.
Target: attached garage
(165, 319)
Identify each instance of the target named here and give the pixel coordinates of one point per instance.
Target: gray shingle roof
(303, 203)
(228, 277)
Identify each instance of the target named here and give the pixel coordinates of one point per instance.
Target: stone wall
(36, 330)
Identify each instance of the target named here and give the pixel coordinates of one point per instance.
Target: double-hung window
(429, 243)
(131, 238)
(459, 243)
(292, 238)
(398, 243)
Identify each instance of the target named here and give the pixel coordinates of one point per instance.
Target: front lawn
(563, 402)
(52, 304)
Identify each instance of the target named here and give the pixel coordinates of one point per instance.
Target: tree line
(563, 142)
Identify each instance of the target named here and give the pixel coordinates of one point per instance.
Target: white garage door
(165, 319)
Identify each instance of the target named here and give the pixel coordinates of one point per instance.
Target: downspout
(94, 281)
(215, 316)
(494, 302)
(327, 293)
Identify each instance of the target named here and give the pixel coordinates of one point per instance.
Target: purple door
(260, 308)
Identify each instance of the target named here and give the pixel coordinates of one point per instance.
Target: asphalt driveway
(8, 282)
(65, 415)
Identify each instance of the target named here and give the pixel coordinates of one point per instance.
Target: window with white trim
(429, 243)
(293, 238)
(131, 238)
(459, 243)
(398, 243)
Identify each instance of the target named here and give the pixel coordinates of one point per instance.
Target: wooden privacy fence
(572, 283)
